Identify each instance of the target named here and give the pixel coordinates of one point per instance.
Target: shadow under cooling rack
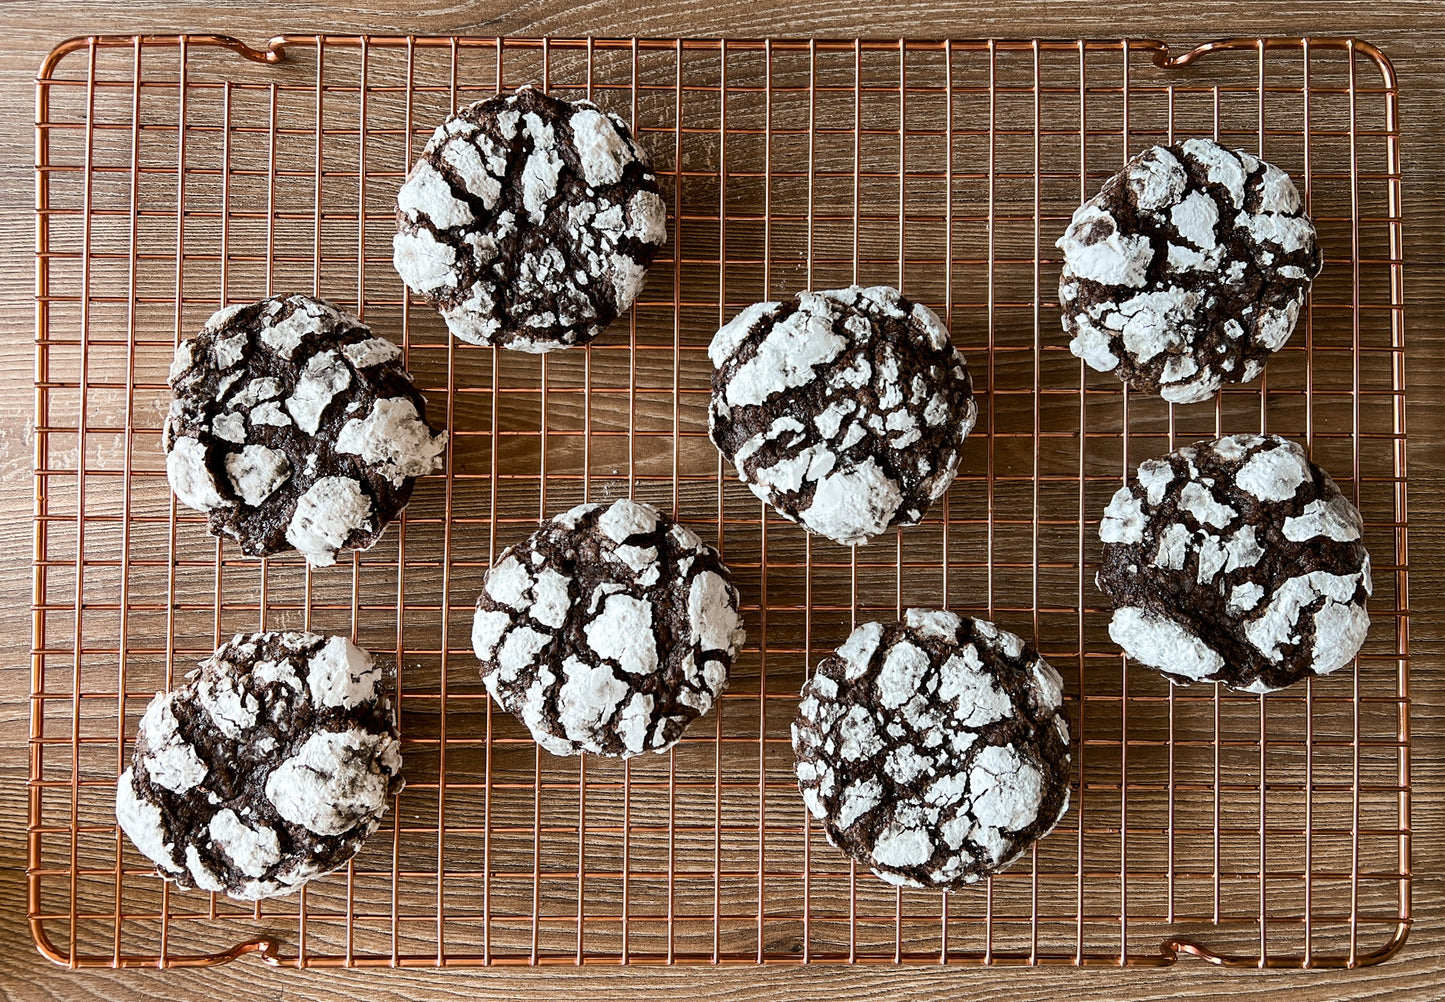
(178, 174)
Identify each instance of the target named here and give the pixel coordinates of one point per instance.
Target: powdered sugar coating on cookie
(609, 630)
(1187, 270)
(293, 426)
(1237, 561)
(933, 751)
(845, 410)
(529, 221)
(268, 767)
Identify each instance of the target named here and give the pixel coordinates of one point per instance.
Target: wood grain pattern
(1405, 31)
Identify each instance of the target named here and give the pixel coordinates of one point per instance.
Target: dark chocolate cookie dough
(609, 630)
(268, 767)
(845, 410)
(1237, 561)
(529, 221)
(934, 751)
(292, 425)
(1187, 270)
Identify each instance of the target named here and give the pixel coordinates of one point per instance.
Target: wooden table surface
(1411, 32)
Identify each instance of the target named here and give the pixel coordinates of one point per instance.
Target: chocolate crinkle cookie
(293, 426)
(268, 767)
(1237, 561)
(529, 221)
(1187, 270)
(934, 751)
(608, 630)
(845, 410)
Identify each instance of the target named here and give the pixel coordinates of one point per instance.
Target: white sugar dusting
(1275, 472)
(853, 504)
(519, 651)
(1245, 596)
(372, 351)
(977, 699)
(858, 649)
(1157, 179)
(1173, 548)
(1006, 789)
(600, 148)
(342, 674)
(324, 377)
(1110, 259)
(711, 615)
(1340, 630)
(647, 218)
(182, 361)
(543, 168)
(903, 667)
(933, 622)
(307, 317)
(170, 760)
(253, 851)
(426, 194)
(393, 440)
(626, 518)
(1197, 500)
(142, 822)
(223, 316)
(487, 630)
(587, 700)
(550, 599)
(270, 413)
(231, 427)
(423, 262)
(256, 472)
(334, 782)
(1163, 643)
(623, 633)
(202, 874)
(326, 515)
(633, 722)
(628, 277)
(231, 708)
(1222, 167)
(788, 355)
(1155, 476)
(1195, 218)
(1093, 346)
(858, 799)
(1123, 520)
(1278, 624)
(1334, 518)
(229, 350)
(189, 476)
(903, 847)
(732, 334)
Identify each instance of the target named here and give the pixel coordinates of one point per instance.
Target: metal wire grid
(174, 177)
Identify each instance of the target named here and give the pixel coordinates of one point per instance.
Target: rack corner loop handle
(264, 947)
(274, 51)
(1171, 949)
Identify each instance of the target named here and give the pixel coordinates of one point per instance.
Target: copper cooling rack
(176, 174)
